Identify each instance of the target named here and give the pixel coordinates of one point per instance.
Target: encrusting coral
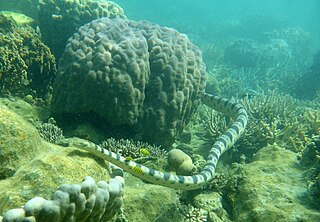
(149, 78)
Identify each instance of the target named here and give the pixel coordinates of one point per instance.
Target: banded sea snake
(223, 143)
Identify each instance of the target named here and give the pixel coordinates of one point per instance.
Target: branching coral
(50, 131)
(313, 119)
(216, 119)
(274, 118)
(310, 155)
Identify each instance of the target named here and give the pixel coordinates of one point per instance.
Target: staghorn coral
(310, 156)
(26, 64)
(88, 201)
(312, 117)
(149, 78)
(274, 119)
(59, 19)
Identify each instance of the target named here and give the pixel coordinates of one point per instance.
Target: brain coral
(131, 73)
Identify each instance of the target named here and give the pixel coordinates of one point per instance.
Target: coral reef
(242, 53)
(274, 119)
(32, 167)
(29, 166)
(275, 63)
(85, 202)
(310, 156)
(149, 78)
(26, 64)
(59, 19)
(248, 53)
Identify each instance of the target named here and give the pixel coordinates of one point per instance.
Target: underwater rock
(19, 141)
(20, 19)
(149, 203)
(180, 162)
(274, 189)
(31, 167)
(212, 202)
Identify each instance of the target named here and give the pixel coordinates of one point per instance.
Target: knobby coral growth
(88, 201)
(26, 64)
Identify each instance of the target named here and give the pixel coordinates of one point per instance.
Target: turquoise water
(71, 78)
(292, 27)
(189, 15)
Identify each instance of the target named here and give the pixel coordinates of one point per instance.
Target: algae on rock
(30, 166)
(273, 189)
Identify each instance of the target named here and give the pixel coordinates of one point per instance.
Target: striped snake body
(223, 143)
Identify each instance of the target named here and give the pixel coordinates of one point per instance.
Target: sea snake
(223, 143)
